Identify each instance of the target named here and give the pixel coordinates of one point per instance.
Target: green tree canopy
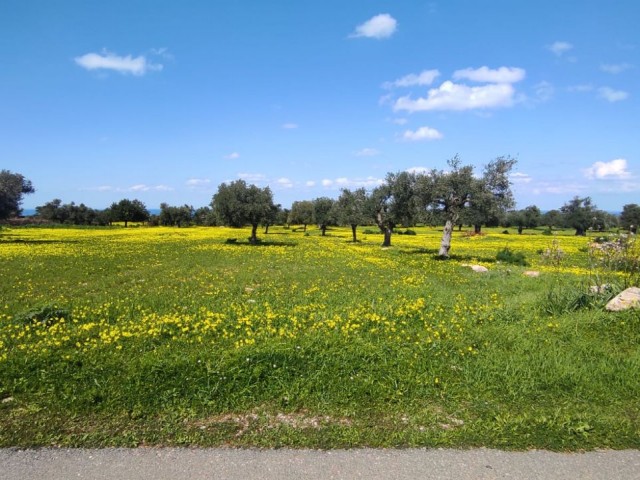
(237, 204)
(128, 211)
(13, 186)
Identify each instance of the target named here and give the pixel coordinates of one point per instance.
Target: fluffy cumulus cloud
(137, 66)
(488, 75)
(560, 48)
(611, 95)
(453, 96)
(380, 26)
(426, 77)
(615, 170)
(423, 133)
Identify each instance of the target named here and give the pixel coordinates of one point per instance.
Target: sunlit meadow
(191, 336)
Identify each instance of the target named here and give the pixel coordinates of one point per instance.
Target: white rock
(479, 269)
(630, 298)
(531, 273)
(599, 288)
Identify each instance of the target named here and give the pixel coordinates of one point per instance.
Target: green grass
(162, 336)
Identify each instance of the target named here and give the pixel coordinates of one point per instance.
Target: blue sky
(163, 100)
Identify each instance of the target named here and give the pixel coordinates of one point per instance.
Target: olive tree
(13, 186)
(237, 204)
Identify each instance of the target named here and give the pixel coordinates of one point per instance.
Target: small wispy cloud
(423, 133)
(289, 126)
(380, 26)
(615, 68)
(611, 95)
(345, 182)
(544, 91)
(253, 177)
(310, 183)
(197, 182)
(367, 152)
(615, 169)
(232, 156)
(560, 48)
(137, 66)
(426, 77)
(141, 187)
(284, 182)
(581, 88)
(418, 170)
(519, 177)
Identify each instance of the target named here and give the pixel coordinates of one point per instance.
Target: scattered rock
(630, 298)
(531, 273)
(7, 400)
(479, 269)
(599, 288)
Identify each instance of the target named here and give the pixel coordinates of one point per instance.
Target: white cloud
(380, 26)
(560, 48)
(558, 188)
(426, 77)
(141, 187)
(611, 95)
(284, 182)
(310, 183)
(615, 69)
(344, 182)
(520, 177)
(290, 126)
(232, 156)
(104, 188)
(367, 152)
(452, 96)
(137, 66)
(585, 87)
(423, 133)
(544, 91)
(197, 182)
(488, 75)
(400, 121)
(615, 169)
(418, 170)
(252, 177)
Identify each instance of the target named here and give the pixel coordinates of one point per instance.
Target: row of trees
(454, 197)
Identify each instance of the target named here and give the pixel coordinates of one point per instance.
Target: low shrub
(506, 255)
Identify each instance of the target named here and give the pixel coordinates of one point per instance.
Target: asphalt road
(196, 464)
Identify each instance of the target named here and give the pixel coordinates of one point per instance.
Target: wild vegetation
(193, 336)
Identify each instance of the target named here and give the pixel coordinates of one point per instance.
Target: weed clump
(506, 255)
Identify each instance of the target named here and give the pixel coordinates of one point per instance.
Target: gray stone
(630, 298)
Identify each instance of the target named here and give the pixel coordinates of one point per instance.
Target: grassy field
(166, 336)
